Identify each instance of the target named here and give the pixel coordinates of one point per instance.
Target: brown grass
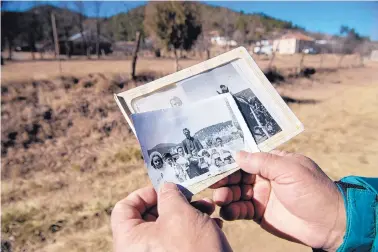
(26, 70)
(58, 192)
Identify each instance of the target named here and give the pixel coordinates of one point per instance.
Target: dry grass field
(79, 67)
(68, 154)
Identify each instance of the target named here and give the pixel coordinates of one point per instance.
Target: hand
(173, 225)
(288, 195)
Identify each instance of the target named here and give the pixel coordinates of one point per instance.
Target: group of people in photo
(190, 159)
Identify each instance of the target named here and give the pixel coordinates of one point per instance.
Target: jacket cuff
(360, 200)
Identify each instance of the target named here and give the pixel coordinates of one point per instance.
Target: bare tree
(227, 25)
(300, 65)
(10, 29)
(363, 49)
(80, 7)
(321, 57)
(33, 31)
(349, 43)
(135, 54)
(203, 44)
(56, 40)
(273, 56)
(239, 36)
(66, 25)
(97, 5)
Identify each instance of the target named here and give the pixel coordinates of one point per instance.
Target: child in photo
(194, 165)
(156, 174)
(207, 158)
(183, 161)
(179, 172)
(216, 159)
(205, 161)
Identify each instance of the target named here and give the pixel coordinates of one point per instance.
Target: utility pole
(135, 54)
(56, 41)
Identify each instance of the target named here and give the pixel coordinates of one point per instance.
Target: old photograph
(226, 79)
(188, 144)
(170, 97)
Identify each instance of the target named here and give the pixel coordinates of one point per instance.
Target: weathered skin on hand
(291, 197)
(175, 225)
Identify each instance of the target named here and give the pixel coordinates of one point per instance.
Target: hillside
(162, 148)
(35, 24)
(224, 20)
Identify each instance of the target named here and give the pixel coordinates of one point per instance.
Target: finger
(220, 183)
(281, 153)
(153, 211)
(222, 196)
(246, 192)
(171, 200)
(232, 179)
(149, 217)
(128, 212)
(205, 205)
(248, 178)
(225, 195)
(267, 165)
(219, 222)
(238, 211)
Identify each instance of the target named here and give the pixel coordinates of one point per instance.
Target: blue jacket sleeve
(360, 198)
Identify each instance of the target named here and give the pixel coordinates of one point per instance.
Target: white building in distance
(223, 41)
(293, 43)
(374, 55)
(216, 39)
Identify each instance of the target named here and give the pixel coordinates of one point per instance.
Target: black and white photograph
(188, 144)
(226, 79)
(170, 97)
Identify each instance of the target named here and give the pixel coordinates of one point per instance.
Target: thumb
(171, 200)
(267, 165)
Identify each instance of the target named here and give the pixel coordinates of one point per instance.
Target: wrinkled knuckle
(266, 161)
(202, 220)
(269, 158)
(236, 193)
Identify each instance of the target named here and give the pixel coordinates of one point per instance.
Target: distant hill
(221, 19)
(35, 23)
(204, 133)
(162, 148)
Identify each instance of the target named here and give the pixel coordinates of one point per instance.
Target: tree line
(175, 26)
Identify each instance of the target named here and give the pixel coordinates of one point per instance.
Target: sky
(316, 16)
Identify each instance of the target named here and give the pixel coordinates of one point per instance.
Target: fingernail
(168, 186)
(208, 200)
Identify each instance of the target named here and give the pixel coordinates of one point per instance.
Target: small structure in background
(126, 48)
(263, 47)
(291, 43)
(374, 55)
(216, 39)
(76, 42)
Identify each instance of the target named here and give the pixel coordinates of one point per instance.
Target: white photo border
(266, 93)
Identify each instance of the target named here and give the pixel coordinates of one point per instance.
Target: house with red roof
(293, 42)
